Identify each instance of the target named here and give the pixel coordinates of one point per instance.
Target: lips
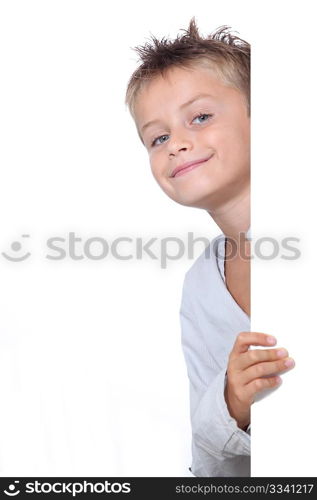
(186, 167)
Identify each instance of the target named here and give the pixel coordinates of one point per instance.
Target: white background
(92, 377)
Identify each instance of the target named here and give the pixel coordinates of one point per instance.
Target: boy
(190, 99)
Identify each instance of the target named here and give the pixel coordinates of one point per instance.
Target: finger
(266, 369)
(252, 357)
(245, 339)
(260, 384)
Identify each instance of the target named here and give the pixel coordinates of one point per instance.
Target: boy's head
(190, 99)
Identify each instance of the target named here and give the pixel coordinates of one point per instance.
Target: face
(197, 134)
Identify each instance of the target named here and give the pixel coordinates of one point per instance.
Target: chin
(195, 200)
(197, 194)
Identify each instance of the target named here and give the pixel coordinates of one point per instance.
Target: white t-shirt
(211, 320)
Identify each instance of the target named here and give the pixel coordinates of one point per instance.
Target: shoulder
(206, 265)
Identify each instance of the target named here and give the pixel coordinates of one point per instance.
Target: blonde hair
(221, 51)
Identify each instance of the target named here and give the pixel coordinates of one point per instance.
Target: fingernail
(279, 380)
(271, 340)
(289, 362)
(281, 353)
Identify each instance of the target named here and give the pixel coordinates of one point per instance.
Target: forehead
(176, 87)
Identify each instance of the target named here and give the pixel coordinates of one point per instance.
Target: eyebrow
(184, 105)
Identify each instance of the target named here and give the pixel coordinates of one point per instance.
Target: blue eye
(204, 116)
(154, 143)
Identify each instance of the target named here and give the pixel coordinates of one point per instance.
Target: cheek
(156, 164)
(154, 167)
(158, 169)
(234, 147)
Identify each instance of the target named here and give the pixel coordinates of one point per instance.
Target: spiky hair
(221, 50)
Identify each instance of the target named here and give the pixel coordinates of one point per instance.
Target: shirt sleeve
(219, 446)
(214, 429)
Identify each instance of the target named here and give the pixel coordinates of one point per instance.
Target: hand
(252, 371)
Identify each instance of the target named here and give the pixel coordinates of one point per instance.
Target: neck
(233, 217)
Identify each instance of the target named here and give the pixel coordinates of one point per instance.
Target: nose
(179, 142)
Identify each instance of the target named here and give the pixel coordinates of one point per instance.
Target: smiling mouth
(184, 170)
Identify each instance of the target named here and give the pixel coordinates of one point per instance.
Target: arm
(219, 447)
